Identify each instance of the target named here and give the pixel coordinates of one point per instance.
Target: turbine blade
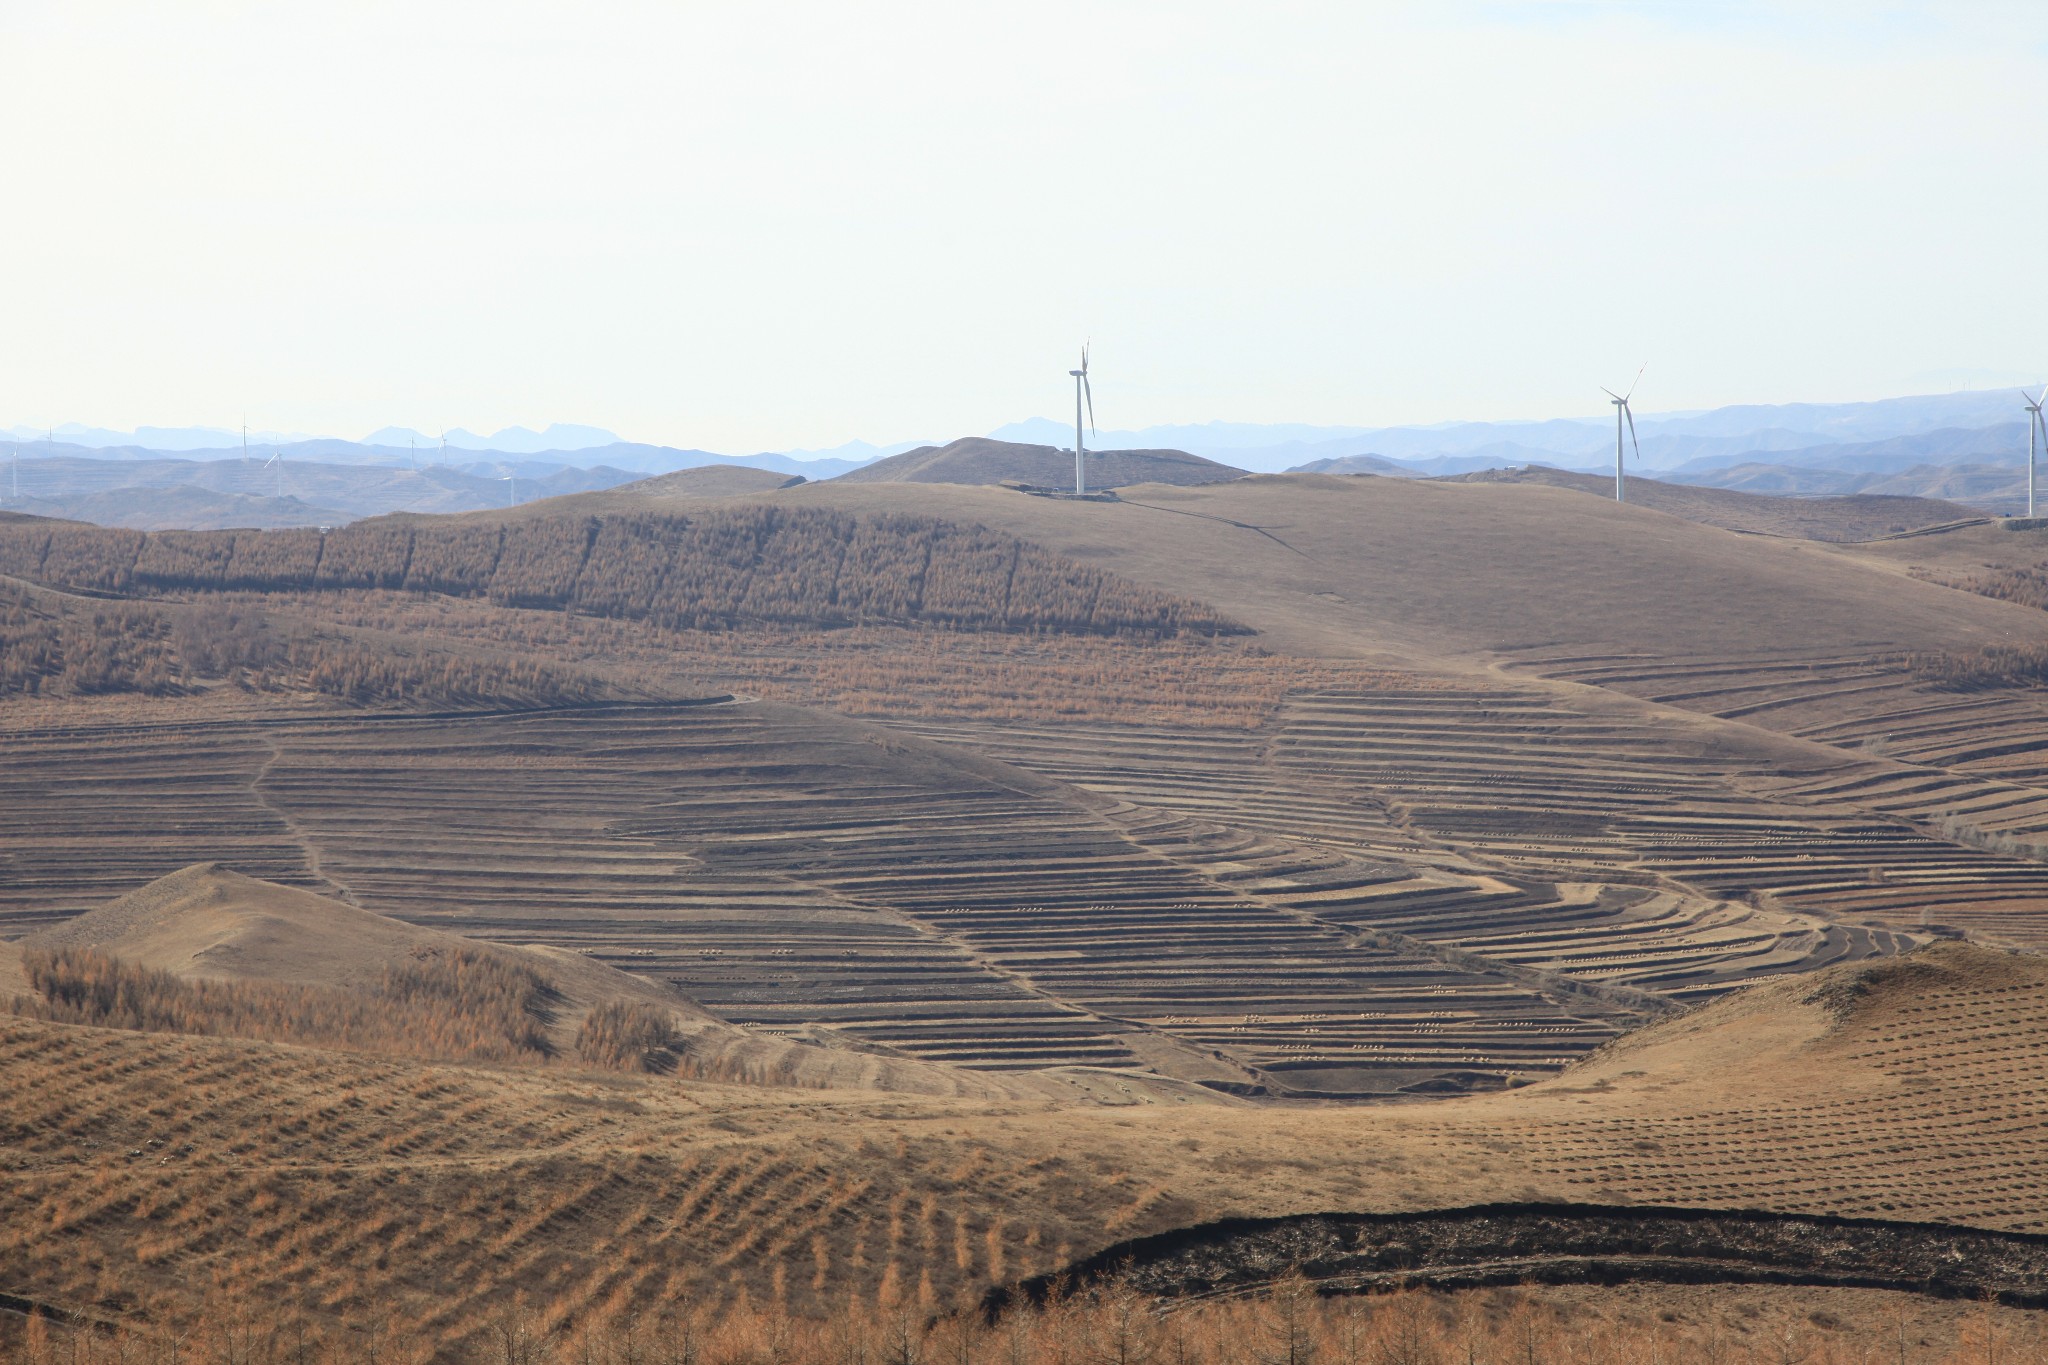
(1090, 391)
(1612, 394)
(1637, 380)
(1626, 412)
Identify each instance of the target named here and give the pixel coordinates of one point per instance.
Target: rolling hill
(1860, 517)
(710, 481)
(976, 460)
(1422, 569)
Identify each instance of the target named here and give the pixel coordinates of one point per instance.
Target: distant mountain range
(1975, 424)
(1969, 446)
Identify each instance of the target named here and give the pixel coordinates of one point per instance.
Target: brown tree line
(2027, 586)
(456, 1006)
(1991, 667)
(628, 1035)
(714, 570)
(49, 648)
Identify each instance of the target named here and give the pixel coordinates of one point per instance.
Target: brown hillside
(1331, 566)
(154, 1166)
(705, 481)
(1861, 517)
(735, 562)
(977, 460)
(209, 921)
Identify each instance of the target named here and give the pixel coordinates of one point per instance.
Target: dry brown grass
(1288, 1326)
(717, 568)
(59, 646)
(462, 1005)
(885, 671)
(154, 1174)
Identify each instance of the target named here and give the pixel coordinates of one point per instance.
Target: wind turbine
(512, 492)
(1080, 451)
(1621, 410)
(276, 458)
(2036, 424)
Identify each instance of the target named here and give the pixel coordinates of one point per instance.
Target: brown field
(1032, 925)
(331, 1183)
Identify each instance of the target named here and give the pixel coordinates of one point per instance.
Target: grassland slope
(210, 921)
(704, 481)
(977, 460)
(1412, 569)
(1863, 516)
(133, 1160)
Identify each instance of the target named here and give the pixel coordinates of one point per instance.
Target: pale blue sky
(747, 226)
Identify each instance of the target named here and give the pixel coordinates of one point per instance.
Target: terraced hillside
(1375, 891)
(1358, 882)
(801, 874)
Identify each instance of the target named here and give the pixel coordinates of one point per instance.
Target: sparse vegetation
(464, 1005)
(50, 646)
(1994, 666)
(628, 1035)
(712, 570)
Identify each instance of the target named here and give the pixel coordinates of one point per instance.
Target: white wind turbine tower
(1080, 451)
(2037, 425)
(512, 490)
(276, 458)
(1621, 410)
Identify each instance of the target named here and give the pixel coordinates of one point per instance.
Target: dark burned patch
(1508, 1244)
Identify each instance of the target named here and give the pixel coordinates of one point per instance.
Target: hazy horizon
(712, 229)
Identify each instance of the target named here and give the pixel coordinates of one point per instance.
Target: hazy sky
(757, 226)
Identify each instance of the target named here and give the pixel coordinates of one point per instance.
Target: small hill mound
(1826, 1031)
(312, 965)
(706, 481)
(206, 921)
(976, 460)
(1355, 464)
(1861, 516)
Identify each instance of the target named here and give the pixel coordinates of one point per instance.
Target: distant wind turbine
(2037, 425)
(1080, 450)
(276, 458)
(1622, 410)
(512, 491)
